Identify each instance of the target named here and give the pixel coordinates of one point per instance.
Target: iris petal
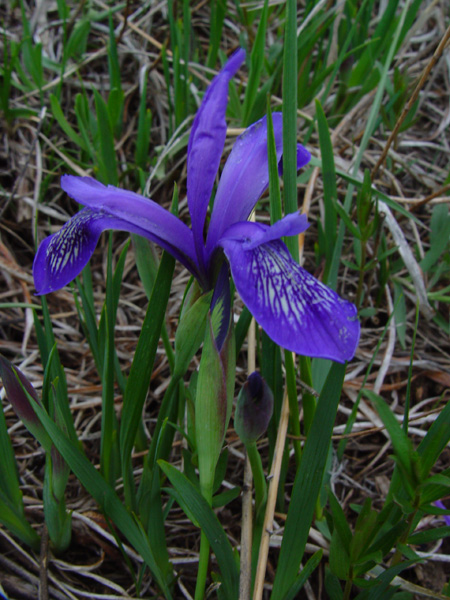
(296, 310)
(63, 255)
(244, 178)
(206, 145)
(136, 210)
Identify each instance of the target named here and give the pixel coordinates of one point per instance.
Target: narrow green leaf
(439, 236)
(64, 124)
(57, 519)
(218, 11)
(82, 113)
(402, 445)
(12, 513)
(256, 64)
(329, 185)
(289, 91)
(211, 410)
(18, 525)
(106, 152)
(436, 439)
(8, 469)
(87, 318)
(210, 525)
(305, 574)
(139, 378)
(144, 125)
(103, 494)
(340, 520)
(427, 537)
(274, 180)
(381, 590)
(76, 44)
(307, 483)
(109, 427)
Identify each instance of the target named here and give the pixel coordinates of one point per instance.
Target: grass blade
(256, 64)
(308, 482)
(290, 118)
(103, 493)
(210, 525)
(139, 379)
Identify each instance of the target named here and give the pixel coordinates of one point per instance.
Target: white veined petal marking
(68, 244)
(287, 291)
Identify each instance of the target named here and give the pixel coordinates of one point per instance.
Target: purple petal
(291, 224)
(63, 255)
(303, 158)
(135, 210)
(206, 145)
(245, 177)
(296, 310)
(441, 505)
(255, 234)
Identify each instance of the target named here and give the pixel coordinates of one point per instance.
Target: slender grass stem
(245, 579)
(293, 404)
(308, 399)
(361, 274)
(258, 477)
(348, 589)
(271, 499)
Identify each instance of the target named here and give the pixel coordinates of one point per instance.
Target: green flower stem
(294, 415)
(348, 586)
(259, 481)
(203, 559)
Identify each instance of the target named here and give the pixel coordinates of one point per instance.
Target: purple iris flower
(296, 310)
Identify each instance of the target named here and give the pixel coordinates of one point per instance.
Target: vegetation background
(109, 90)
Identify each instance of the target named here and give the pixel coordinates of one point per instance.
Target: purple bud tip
(253, 409)
(15, 383)
(255, 385)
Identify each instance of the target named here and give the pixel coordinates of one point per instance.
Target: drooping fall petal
(295, 309)
(63, 255)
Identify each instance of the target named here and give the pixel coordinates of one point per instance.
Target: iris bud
(17, 386)
(253, 409)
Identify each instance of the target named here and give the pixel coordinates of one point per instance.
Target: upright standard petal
(244, 178)
(63, 255)
(135, 210)
(296, 310)
(206, 145)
